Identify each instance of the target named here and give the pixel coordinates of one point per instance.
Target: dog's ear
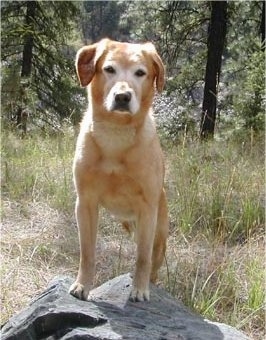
(158, 65)
(85, 64)
(86, 60)
(160, 72)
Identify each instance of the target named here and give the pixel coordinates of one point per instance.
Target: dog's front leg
(145, 237)
(87, 219)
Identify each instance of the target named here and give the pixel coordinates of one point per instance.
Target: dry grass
(39, 243)
(218, 274)
(218, 281)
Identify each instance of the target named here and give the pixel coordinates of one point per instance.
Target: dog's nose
(122, 101)
(122, 98)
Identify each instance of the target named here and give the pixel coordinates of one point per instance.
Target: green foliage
(50, 91)
(179, 30)
(242, 99)
(100, 19)
(144, 27)
(249, 104)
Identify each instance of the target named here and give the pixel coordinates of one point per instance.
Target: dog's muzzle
(122, 101)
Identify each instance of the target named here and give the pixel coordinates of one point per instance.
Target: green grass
(215, 254)
(217, 188)
(38, 168)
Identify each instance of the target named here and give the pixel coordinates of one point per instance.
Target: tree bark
(29, 39)
(216, 41)
(27, 55)
(262, 27)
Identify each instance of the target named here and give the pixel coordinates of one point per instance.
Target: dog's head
(123, 76)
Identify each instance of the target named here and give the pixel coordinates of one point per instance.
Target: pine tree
(37, 64)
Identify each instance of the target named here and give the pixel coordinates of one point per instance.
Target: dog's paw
(79, 290)
(138, 295)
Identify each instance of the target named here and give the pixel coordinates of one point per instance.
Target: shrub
(249, 104)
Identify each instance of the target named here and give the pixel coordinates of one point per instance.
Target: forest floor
(216, 247)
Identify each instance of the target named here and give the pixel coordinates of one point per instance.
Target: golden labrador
(118, 162)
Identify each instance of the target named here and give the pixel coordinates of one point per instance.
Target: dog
(118, 161)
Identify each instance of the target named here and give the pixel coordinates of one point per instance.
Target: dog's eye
(140, 73)
(109, 69)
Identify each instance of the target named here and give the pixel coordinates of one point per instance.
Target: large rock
(55, 314)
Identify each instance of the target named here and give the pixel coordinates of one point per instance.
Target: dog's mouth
(121, 101)
(121, 108)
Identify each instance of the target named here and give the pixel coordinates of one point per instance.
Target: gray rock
(56, 314)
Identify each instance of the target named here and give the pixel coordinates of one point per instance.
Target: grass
(218, 188)
(38, 168)
(215, 255)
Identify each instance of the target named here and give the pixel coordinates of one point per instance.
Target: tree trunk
(26, 66)
(29, 39)
(262, 27)
(216, 40)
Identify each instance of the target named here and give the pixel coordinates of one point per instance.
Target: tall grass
(38, 168)
(215, 254)
(217, 188)
(215, 259)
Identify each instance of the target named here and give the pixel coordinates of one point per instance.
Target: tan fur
(118, 162)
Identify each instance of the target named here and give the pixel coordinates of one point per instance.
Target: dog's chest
(112, 139)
